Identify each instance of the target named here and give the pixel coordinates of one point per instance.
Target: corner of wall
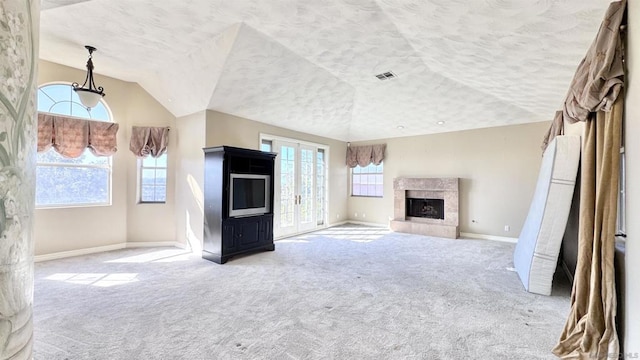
(189, 209)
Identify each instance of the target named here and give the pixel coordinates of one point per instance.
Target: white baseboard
(99, 249)
(489, 237)
(142, 244)
(281, 237)
(462, 234)
(79, 252)
(366, 223)
(330, 226)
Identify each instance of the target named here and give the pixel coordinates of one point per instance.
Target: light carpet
(348, 292)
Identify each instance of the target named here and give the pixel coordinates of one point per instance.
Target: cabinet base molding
(218, 259)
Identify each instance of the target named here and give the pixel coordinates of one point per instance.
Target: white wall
(67, 229)
(498, 169)
(149, 222)
(632, 148)
(189, 215)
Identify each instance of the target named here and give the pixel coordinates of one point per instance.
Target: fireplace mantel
(446, 189)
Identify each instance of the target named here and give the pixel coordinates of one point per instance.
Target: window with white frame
(266, 145)
(367, 180)
(152, 176)
(66, 182)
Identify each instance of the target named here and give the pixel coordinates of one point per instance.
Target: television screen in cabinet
(249, 194)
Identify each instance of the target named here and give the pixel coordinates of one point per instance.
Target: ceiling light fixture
(89, 96)
(440, 122)
(400, 127)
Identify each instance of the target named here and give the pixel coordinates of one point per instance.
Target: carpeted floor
(349, 292)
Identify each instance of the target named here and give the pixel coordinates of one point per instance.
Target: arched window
(65, 182)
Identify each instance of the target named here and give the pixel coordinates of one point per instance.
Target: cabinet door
(266, 230)
(229, 237)
(249, 234)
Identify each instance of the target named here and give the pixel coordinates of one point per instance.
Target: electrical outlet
(356, 215)
(507, 228)
(364, 215)
(337, 216)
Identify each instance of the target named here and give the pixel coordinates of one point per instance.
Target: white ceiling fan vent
(386, 75)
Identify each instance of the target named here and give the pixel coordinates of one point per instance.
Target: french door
(297, 186)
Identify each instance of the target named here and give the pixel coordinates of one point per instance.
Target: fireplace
(425, 208)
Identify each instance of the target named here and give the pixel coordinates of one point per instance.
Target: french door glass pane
(320, 187)
(306, 186)
(287, 186)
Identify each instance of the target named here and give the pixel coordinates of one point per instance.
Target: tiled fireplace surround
(426, 188)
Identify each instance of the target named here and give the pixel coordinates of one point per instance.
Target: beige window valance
(147, 141)
(71, 136)
(365, 155)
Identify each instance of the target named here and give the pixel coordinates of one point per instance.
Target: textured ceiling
(309, 65)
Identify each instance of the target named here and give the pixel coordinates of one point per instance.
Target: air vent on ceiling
(386, 75)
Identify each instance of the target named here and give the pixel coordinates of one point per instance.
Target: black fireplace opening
(426, 208)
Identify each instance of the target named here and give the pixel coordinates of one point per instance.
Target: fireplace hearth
(425, 208)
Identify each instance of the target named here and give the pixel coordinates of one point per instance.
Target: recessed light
(440, 122)
(400, 127)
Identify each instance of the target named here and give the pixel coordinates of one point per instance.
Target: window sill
(368, 196)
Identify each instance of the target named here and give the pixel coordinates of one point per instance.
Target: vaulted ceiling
(310, 65)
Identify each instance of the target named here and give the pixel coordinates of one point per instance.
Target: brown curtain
(352, 156)
(147, 141)
(377, 153)
(599, 77)
(365, 155)
(595, 96)
(45, 132)
(102, 138)
(71, 136)
(590, 331)
(557, 128)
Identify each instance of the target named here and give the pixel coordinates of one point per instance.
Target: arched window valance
(70, 136)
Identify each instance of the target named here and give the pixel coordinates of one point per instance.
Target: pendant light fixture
(91, 95)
